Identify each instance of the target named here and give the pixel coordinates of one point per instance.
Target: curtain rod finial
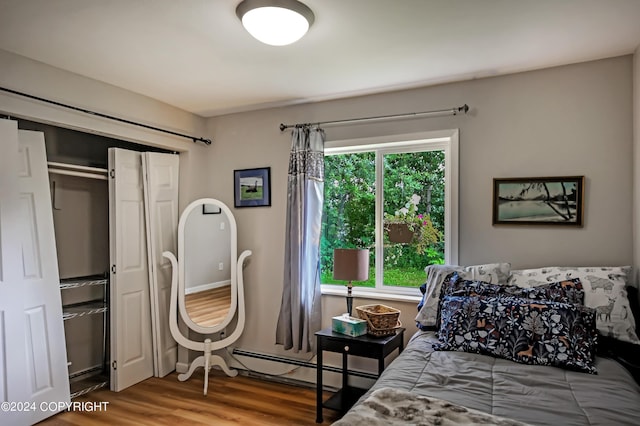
(283, 127)
(464, 108)
(203, 140)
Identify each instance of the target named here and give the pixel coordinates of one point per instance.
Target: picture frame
(252, 187)
(211, 209)
(555, 201)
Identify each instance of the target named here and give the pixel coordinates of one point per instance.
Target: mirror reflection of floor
(209, 307)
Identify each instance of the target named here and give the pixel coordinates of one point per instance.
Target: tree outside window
(402, 175)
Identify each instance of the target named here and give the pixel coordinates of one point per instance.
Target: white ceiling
(195, 54)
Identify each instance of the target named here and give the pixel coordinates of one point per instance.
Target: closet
(80, 201)
(100, 224)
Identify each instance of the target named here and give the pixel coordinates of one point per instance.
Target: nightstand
(364, 346)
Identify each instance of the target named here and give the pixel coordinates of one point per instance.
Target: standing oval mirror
(207, 258)
(207, 283)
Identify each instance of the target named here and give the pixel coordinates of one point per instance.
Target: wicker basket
(381, 320)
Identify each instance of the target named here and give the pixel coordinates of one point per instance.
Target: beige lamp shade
(351, 264)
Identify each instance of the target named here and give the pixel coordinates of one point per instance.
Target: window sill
(370, 293)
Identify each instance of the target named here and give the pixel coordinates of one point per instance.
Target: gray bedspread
(538, 395)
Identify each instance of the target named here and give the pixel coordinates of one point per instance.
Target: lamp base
(349, 304)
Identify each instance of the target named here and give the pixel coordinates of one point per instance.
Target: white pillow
(495, 273)
(604, 290)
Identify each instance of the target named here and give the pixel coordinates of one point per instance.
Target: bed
(445, 378)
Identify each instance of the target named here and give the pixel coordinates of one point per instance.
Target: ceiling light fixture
(275, 22)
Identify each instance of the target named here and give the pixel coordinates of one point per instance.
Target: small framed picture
(211, 209)
(252, 187)
(539, 201)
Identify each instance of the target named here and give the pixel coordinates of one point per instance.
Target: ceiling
(195, 54)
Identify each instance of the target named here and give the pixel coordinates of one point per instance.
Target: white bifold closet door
(143, 222)
(131, 342)
(33, 361)
(161, 194)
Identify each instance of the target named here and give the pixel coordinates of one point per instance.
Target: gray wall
(571, 120)
(206, 245)
(35, 78)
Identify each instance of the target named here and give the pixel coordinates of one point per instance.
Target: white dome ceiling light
(275, 22)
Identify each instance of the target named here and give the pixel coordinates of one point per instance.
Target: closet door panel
(131, 341)
(134, 251)
(31, 261)
(13, 362)
(3, 358)
(47, 371)
(161, 192)
(33, 361)
(133, 307)
(39, 350)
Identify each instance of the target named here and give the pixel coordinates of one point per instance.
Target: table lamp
(350, 265)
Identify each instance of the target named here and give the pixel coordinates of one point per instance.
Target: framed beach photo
(539, 201)
(252, 187)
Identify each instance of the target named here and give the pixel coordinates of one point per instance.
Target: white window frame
(445, 140)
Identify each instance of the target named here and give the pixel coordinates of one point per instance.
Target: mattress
(532, 394)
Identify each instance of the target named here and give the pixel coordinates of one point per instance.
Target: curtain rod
(110, 117)
(451, 111)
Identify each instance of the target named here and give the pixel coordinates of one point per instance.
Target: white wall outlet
(222, 226)
(220, 266)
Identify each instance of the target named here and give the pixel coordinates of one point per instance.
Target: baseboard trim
(207, 286)
(301, 363)
(182, 367)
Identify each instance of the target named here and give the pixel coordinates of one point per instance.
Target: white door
(131, 341)
(13, 363)
(161, 194)
(33, 361)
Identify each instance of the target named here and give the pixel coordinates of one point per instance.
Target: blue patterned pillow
(567, 291)
(522, 330)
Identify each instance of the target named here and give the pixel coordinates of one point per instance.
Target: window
(364, 179)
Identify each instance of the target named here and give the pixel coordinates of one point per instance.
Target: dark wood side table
(364, 346)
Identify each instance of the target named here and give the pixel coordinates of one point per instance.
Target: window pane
(348, 219)
(413, 178)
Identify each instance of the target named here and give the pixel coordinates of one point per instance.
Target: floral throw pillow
(567, 291)
(605, 291)
(522, 330)
(436, 274)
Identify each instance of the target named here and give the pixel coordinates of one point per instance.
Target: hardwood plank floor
(236, 400)
(209, 307)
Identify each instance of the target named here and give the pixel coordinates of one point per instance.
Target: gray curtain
(300, 309)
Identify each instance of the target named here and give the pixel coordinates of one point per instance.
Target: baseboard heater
(301, 363)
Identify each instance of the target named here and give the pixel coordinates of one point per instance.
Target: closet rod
(77, 167)
(110, 117)
(78, 174)
(451, 111)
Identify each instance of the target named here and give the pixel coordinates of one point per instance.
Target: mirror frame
(233, 240)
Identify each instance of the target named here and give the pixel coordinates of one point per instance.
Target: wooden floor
(236, 400)
(208, 307)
